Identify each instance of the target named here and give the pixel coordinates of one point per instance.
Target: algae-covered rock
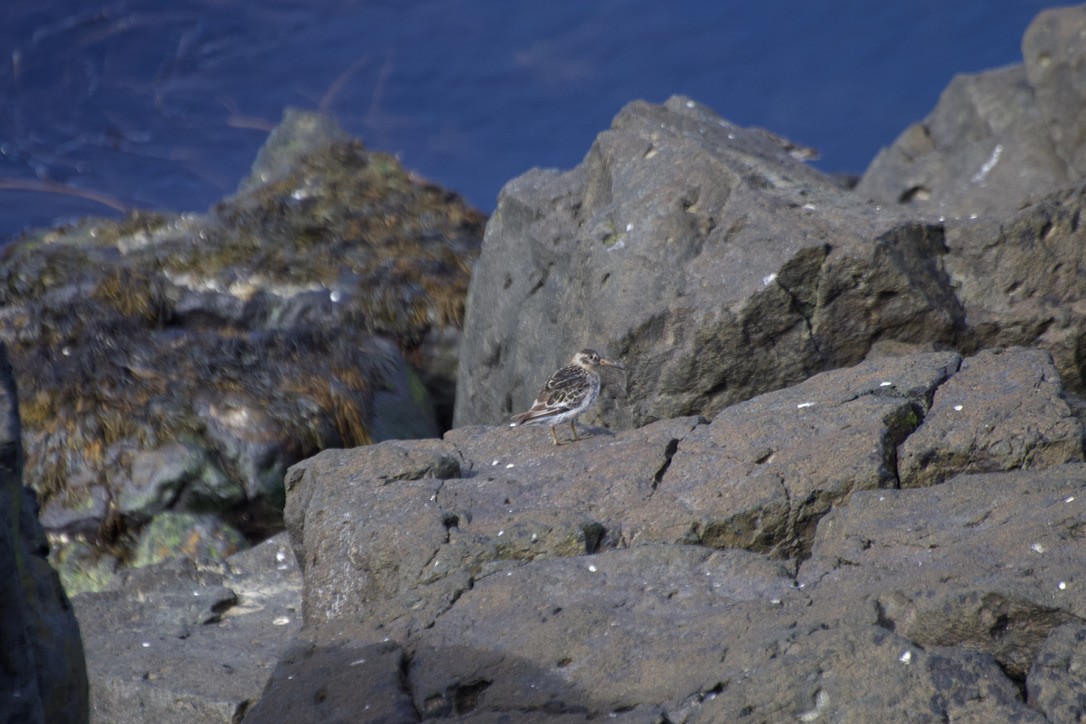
(184, 362)
(83, 568)
(170, 535)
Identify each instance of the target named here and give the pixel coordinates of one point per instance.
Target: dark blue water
(148, 103)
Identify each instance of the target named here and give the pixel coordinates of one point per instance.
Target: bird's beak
(609, 363)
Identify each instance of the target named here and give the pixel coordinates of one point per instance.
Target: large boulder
(43, 677)
(718, 267)
(704, 256)
(183, 363)
(998, 137)
(765, 564)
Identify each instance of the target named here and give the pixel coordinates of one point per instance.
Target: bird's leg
(573, 430)
(554, 436)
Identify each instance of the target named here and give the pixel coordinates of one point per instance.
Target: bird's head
(590, 359)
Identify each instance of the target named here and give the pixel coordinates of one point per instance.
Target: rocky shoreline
(843, 479)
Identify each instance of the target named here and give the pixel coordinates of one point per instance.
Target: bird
(568, 393)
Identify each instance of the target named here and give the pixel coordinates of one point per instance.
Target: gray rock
(1019, 421)
(157, 477)
(491, 574)
(703, 256)
(1017, 278)
(402, 408)
(184, 642)
(247, 436)
(397, 530)
(750, 480)
(990, 562)
(1057, 679)
(1054, 48)
(82, 512)
(998, 137)
(859, 674)
(43, 677)
(335, 683)
(569, 635)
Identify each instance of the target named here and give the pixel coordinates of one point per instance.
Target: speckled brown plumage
(567, 394)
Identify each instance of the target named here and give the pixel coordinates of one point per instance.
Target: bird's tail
(528, 416)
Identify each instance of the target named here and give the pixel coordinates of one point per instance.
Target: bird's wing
(566, 382)
(561, 392)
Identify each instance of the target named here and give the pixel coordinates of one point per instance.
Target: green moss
(83, 568)
(171, 535)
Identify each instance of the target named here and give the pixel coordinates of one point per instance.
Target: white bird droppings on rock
(885, 384)
(509, 466)
(591, 568)
(988, 165)
(281, 621)
(957, 408)
(804, 404)
(822, 701)
(1037, 548)
(769, 279)
(629, 227)
(1063, 585)
(335, 295)
(905, 657)
(1069, 499)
